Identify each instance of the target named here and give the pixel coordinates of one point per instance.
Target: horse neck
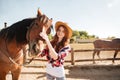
(11, 48)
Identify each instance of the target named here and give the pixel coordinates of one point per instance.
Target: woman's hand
(41, 47)
(44, 35)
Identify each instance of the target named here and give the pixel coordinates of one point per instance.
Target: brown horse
(14, 38)
(105, 44)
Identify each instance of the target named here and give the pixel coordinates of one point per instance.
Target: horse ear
(51, 19)
(39, 12)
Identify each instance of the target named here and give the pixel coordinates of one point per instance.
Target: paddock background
(84, 70)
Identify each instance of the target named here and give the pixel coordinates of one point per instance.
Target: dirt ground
(104, 71)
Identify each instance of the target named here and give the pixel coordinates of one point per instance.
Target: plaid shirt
(61, 55)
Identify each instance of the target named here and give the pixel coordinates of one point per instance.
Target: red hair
(63, 42)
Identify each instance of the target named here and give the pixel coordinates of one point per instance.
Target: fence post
(5, 24)
(72, 57)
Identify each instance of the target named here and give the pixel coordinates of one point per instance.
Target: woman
(56, 51)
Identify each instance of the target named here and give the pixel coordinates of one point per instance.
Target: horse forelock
(18, 31)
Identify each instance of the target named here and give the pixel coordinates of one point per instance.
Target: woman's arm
(52, 53)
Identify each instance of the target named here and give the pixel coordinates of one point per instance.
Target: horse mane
(18, 31)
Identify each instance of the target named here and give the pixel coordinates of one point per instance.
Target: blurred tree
(82, 35)
(76, 33)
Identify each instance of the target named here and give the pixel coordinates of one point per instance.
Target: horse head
(42, 22)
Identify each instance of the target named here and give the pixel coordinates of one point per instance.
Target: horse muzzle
(34, 49)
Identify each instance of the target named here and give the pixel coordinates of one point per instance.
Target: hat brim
(59, 23)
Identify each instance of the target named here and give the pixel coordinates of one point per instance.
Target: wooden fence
(73, 61)
(91, 50)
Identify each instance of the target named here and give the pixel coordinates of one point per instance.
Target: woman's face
(60, 32)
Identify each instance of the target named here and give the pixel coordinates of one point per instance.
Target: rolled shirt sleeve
(61, 55)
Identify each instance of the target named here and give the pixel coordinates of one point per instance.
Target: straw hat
(60, 23)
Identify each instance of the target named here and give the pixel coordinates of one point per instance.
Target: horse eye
(36, 24)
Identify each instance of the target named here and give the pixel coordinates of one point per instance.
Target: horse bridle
(42, 19)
